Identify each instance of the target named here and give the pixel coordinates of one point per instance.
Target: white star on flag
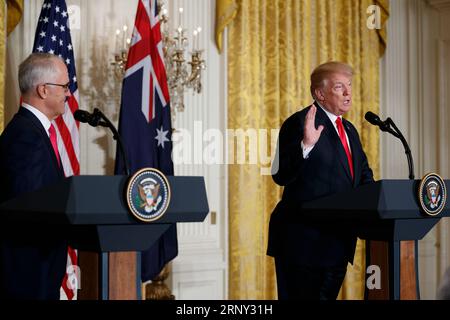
(161, 136)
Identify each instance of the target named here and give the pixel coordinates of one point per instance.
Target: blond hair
(323, 71)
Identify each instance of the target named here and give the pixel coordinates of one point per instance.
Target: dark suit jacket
(324, 172)
(32, 262)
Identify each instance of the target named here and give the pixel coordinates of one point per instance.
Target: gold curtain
(15, 10)
(10, 15)
(2, 60)
(273, 45)
(225, 12)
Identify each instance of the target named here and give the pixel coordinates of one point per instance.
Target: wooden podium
(93, 211)
(388, 214)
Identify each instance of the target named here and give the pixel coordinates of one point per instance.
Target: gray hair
(38, 68)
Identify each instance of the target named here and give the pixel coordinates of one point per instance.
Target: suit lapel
(38, 125)
(330, 131)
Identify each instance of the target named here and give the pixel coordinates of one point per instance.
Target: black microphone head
(373, 118)
(82, 116)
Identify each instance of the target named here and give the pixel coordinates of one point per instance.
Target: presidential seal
(148, 194)
(432, 194)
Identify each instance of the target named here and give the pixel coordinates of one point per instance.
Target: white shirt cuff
(306, 151)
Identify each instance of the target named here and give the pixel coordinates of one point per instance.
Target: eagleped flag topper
(432, 194)
(148, 194)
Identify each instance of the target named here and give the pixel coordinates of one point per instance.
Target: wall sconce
(181, 74)
(122, 43)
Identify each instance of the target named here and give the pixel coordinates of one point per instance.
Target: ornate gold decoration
(182, 74)
(121, 54)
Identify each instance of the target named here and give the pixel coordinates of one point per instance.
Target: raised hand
(310, 134)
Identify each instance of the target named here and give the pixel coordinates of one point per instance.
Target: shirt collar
(42, 117)
(330, 115)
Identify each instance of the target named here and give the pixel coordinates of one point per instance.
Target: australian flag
(145, 122)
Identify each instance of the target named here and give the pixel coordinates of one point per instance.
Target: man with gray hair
(319, 154)
(32, 264)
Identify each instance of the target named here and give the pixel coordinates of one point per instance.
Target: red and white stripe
(69, 151)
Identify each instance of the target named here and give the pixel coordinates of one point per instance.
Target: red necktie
(54, 142)
(343, 138)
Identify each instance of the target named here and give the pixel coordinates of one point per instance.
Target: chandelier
(121, 52)
(182, 74)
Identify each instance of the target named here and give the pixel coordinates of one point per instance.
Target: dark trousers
(298, 282)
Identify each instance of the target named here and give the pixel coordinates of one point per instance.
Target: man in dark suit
(33, 263)
(319, 153)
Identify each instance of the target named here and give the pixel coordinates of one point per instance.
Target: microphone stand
(395, 246)
(396, 132)
(96, 120)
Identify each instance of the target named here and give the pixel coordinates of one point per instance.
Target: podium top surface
(383, 199)
(100, 200)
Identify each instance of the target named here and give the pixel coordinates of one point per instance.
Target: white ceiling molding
(439, 4)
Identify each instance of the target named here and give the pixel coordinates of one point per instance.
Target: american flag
(145, 122)
(53, 36)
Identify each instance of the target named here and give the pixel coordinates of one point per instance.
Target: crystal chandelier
(181, 74)
(121, 52)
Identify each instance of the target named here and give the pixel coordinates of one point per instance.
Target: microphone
(82, 115)
(94, 119)
(389, 126)
(376, 121)
(97, 118)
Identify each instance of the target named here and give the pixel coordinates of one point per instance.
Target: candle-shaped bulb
(180, 12)
(195, 41)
